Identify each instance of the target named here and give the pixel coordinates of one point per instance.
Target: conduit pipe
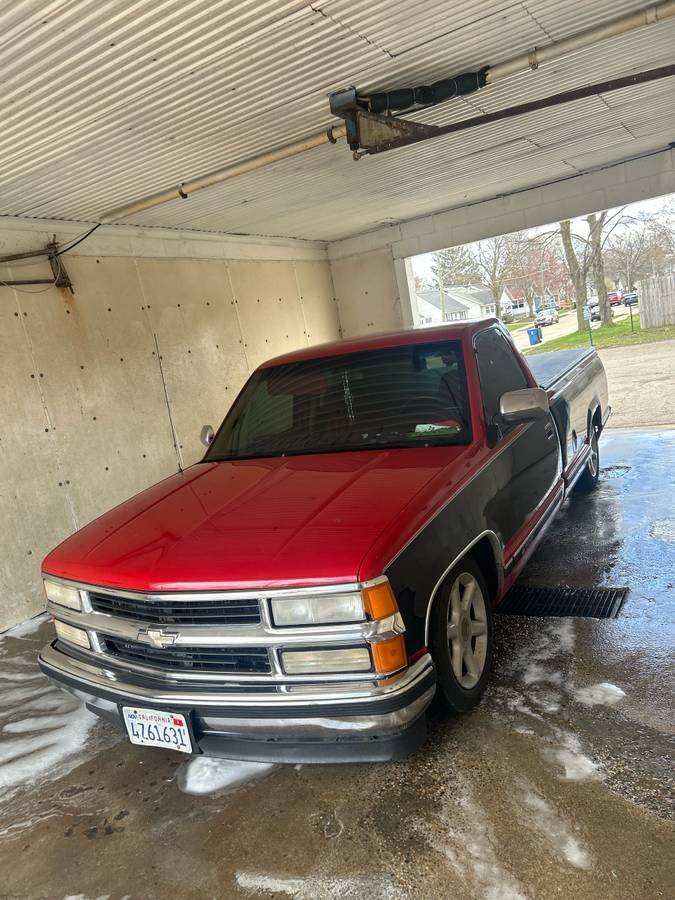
(650, 15)
(218, 175)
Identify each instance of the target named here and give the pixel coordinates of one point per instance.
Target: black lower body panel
(383, 748)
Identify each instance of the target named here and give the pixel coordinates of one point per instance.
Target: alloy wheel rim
(467, 630)
(593, 460)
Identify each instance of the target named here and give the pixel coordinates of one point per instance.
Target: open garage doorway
(605, 279)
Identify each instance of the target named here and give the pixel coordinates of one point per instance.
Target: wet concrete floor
(556, 786)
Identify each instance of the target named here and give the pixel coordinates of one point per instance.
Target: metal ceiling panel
(109, 100)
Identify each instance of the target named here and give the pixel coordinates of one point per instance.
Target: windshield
(397, 397)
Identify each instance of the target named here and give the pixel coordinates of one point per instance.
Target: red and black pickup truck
(333, 561)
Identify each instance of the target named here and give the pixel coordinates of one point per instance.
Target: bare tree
(492, 257)
(578, 270)
(584, 256)
(535, 266)
(596, 223)
(643, 245)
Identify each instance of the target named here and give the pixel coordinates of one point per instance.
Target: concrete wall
(367, 293)
(83, 417)
(657, 301)
(371, 290)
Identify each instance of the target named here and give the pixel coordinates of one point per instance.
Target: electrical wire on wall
(53, 252)
(43, 290)
(77, 240)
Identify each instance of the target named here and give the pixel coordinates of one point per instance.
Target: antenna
(168, 407)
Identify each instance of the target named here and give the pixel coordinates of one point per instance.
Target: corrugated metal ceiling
(108, 100)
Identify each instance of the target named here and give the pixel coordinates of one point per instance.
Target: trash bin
(534, 335)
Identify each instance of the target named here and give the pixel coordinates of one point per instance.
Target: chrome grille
(244, 660)
(179, 612)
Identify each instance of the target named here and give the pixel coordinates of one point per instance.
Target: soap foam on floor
(318, 887)
(207, 775)
(556, 831)
(44, 732)
(464, 835)
(601, 694)
(568, 755)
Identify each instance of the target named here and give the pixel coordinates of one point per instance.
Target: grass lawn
(517, 326)
(618, 335)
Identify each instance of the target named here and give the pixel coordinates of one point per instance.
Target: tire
(589, 477)
(459, 688)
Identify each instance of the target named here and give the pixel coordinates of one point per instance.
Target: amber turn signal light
(379, 601)
(389, 655)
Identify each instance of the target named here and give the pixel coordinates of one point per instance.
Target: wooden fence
(657, 301)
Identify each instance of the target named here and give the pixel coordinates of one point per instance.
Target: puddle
(663, 530)
(24, 630)
(609, 472)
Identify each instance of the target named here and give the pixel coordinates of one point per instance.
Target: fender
(498, 553)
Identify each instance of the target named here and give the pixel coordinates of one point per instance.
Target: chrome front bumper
(365, 720)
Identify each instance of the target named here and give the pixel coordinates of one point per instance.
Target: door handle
(549, 431)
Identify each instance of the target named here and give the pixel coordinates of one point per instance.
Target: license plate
(155, 728)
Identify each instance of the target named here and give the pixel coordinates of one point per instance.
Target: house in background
(477, 298)
(518, 305)
(456, 303)
(435, 307)
(522, 304)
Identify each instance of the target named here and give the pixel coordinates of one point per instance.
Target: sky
(421, 264)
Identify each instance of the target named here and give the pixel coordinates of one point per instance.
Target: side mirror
(207, 435)
(524, 406)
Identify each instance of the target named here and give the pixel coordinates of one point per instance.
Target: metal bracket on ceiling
(368, 132)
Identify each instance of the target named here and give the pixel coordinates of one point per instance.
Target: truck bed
(550, 367)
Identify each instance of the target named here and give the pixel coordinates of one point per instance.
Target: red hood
(258, 523)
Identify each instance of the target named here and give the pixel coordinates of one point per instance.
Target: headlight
(63, 595)
(72, 635)
(326, 609)
(309, 662)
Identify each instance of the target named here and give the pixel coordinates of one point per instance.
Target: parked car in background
(614, 298)
(595, 309)
(546, 317)
(594, 306)
(630, 299)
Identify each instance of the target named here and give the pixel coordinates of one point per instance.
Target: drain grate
(590, 603)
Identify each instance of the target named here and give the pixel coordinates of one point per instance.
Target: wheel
(589, 477)
(461, 638)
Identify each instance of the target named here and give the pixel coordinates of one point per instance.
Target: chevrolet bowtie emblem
(156, 637)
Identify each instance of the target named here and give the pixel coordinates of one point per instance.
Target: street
(566, 325)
